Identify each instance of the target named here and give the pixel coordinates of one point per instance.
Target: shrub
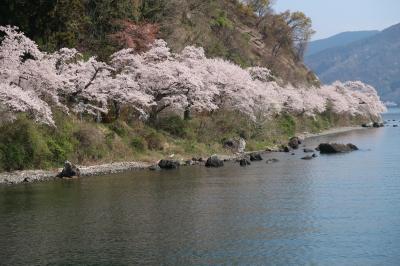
(22, 146)
(138, 144)
(92, 143)
(287, 124)
(154, 141)
(174, 125)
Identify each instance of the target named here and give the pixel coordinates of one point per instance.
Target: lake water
(334, 210)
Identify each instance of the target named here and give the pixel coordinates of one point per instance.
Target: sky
(334, 16)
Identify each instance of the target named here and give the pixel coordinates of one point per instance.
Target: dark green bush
(174, 125)
(22, 146)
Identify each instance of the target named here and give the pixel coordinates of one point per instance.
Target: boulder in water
(378, 124)
(214, 161)
(244, 162)
(69, 170)
(331, 148)
(168, 164)
(255, 157)
(294, 143)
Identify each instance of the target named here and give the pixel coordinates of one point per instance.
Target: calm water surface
(334, 210)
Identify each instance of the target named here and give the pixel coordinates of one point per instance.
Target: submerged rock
(69, 170)
(154, 167)
(273, 160)
(378, 124)
(214, 161)
(244, 162)
(367, 124)
(331, 148)
(284, 149)
(168, 164)
(255, 157)
(310, 157)
(308, 150)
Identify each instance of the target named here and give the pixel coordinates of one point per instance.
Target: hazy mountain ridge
(337, 40)
(374, 60)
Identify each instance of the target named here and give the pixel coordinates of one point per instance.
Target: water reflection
(340, 209)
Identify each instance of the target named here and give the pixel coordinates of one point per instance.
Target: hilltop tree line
(102, 27)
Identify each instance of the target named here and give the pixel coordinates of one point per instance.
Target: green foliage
(221, 21)
(119, 127)
(287, 124)
(22, 146)
(138, 144)
(27, 145)
(174, 125)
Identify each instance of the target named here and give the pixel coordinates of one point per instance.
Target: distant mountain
(340, 39)
(374, 60)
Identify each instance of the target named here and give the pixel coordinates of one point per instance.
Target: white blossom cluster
(34, 82)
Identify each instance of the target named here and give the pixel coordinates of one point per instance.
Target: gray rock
(273, 160)
(378, 124)
(168, 164)
(308, 150)
(370, 124)
(308, 157)
(255, 157)
(244, 162)
(331, 148)
(69, 170)
(294, 143)
(214, 161)
(236, 145)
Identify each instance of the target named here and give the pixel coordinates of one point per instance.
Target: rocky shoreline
(29, 176)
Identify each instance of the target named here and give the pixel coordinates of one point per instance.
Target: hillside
(375, 60)
(341, 39)
(224, 28)
(93, 82)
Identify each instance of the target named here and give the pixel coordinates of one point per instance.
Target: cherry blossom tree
(151, 82)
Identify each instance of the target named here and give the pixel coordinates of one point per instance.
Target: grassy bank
(27, 145)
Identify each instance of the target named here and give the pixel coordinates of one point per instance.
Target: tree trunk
(187, 115)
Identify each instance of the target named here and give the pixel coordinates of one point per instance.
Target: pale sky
(334, 16)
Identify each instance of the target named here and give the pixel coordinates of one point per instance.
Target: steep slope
(375, 60)
(225, 28)
(341, 39)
